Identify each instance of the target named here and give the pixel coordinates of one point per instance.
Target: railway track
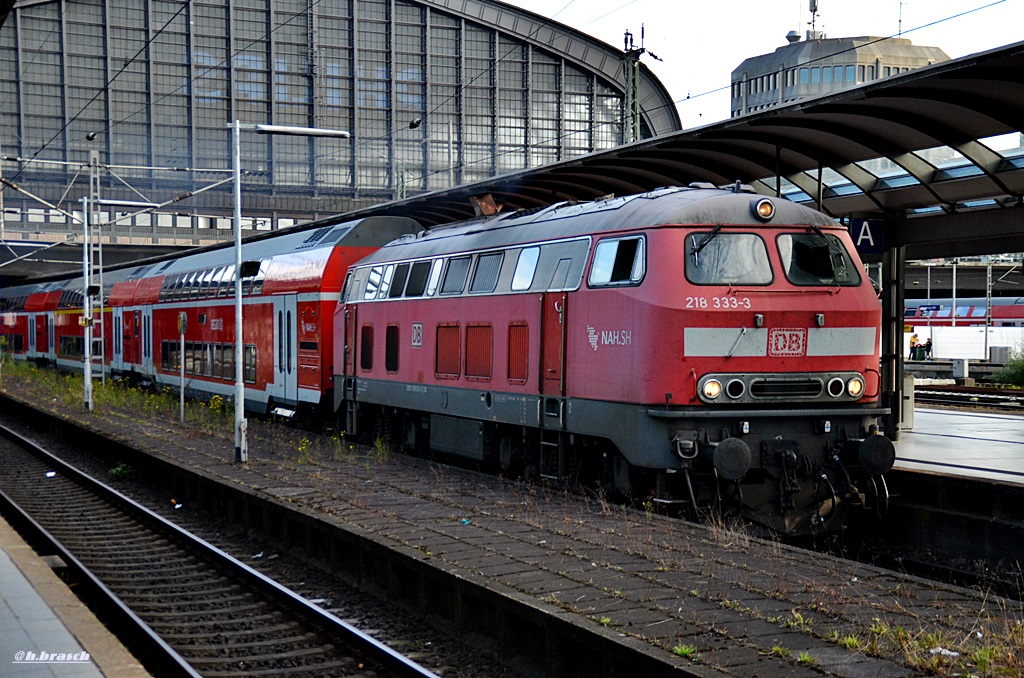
(971, 397)
(187, 607)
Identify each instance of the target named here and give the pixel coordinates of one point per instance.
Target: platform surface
(45, 631)
(980, 445)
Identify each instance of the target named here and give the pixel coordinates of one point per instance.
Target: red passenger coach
(288, 309)
(692, 345)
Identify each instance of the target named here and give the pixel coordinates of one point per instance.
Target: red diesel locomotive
(690, 345)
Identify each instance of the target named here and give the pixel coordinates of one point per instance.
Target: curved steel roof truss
(953, 105)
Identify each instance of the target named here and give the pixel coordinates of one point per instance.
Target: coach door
(285, 349)
(117, 360)
(552, 338)
(350, 340)
(33, 329)
(146, 340)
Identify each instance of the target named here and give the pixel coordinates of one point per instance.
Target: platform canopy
(936, 153)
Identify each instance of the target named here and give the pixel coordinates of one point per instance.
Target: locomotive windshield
(816, 259)
(716, 258)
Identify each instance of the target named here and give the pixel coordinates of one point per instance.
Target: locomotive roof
(676, 205)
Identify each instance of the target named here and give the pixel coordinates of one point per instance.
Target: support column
(893, 267)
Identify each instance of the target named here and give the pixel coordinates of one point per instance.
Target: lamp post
(241, 446)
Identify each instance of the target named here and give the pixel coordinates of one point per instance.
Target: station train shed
(915, 164)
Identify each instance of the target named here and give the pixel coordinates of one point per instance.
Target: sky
(700, 43)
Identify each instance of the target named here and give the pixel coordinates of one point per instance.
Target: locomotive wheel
(879, 492)
(510, 458)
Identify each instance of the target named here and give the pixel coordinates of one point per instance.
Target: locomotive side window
(417, 282)
(385, 282)
(526, 266)
(455, 277)
(435, 276)
(398, 283)
(618, 262)
(716, 258)
(485, 278)
(816, 259)
(366, 348)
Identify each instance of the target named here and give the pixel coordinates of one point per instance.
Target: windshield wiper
(704, 241)
(831, 243)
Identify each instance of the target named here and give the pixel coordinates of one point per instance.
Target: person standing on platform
(928, 349)
(914, 341)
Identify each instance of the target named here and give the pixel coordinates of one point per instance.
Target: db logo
(784, 343)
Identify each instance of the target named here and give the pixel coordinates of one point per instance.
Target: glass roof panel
(1007, 145)
(941, 157)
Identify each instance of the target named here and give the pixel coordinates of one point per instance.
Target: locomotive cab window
(373, 280)
(621, 261)
(816, 258)
(717, 258)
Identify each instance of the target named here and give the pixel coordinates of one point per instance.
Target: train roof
(696, 204)
(366, 232)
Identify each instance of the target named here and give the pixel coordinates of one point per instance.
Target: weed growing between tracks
(718, 566)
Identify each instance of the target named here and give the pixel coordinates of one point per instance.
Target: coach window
(417, 282)
(227, 277)
(526, 266)
(249, 366)
(256, 285)
(455, 276)
(229, 361)
(485, 278)
(366, 348)
(716, 258)
(618, 262)
(804, 76)
(204, 288)
(816, 259)
(194, 282)
(373, 279)
(399, 280)
(435, 276)
(391, 348)
(217, 364)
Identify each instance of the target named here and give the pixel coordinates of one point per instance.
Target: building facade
(434, 92)
(817, 65)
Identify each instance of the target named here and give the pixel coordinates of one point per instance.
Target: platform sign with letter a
(867, 236)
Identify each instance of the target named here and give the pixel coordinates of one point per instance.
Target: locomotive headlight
(855, 387)
(712, 389)
(835, 387)
(764, 209)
